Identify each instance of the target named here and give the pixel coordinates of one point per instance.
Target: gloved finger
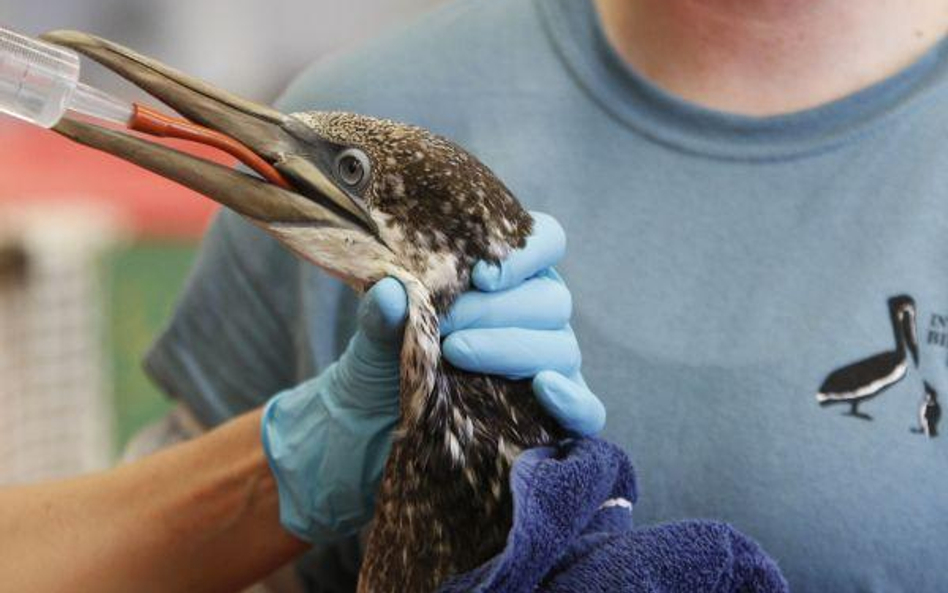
(545, 247)
(383, 311)
(512, 352)
(570, 402)
(543, 302)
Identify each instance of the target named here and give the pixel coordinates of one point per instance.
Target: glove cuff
(326, 461)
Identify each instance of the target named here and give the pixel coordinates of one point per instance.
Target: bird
(867, 378)
(369, 198)
(929, 412)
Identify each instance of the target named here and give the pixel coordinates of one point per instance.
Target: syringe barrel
(37, 80)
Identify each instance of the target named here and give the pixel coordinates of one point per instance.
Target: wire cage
(55, 413)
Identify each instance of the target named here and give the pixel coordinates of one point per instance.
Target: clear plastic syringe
(39, 83)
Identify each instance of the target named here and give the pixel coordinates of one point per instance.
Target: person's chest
(771, 342)
(733, 316)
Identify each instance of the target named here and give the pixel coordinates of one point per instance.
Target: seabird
(369, 198)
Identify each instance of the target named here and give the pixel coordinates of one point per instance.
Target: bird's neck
(421, 351)
(444, 503)
(903, 324)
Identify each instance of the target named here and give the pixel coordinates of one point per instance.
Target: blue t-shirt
(729, 274)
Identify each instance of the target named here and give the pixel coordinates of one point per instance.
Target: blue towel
(572, 531)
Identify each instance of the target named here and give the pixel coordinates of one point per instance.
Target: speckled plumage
(444, 504)
(436, 205)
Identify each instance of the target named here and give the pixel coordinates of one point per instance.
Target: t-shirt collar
(575, 31)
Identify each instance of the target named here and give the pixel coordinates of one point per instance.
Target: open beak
(294, 150)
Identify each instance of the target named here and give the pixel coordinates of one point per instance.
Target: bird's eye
(352, 167)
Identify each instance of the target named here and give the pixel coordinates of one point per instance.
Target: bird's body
(366, 198)
(863, 380)
(867, 378)
(929, 412)
(444, 505)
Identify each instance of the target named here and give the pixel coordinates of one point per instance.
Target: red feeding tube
(147, 120)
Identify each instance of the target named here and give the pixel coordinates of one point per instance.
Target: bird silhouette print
(929, 413)
(867, 378)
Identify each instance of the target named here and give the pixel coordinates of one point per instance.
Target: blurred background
(94, 251)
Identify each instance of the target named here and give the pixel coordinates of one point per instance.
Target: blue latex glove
(516, 324)
(327, 438)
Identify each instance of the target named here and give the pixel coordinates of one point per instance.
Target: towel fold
(573, 531)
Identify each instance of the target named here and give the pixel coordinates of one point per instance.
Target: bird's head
(436, 207)
(367, 197)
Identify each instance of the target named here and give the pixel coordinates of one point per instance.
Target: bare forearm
(201, 516)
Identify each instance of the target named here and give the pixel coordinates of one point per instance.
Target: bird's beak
(282, 141)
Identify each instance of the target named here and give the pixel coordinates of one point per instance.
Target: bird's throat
(444, 505)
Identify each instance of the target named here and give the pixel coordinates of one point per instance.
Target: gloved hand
(516, 324)
(327, 439)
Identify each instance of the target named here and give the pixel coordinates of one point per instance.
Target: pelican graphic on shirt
(866, 378)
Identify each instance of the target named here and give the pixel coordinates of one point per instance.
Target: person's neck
(764, 57)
